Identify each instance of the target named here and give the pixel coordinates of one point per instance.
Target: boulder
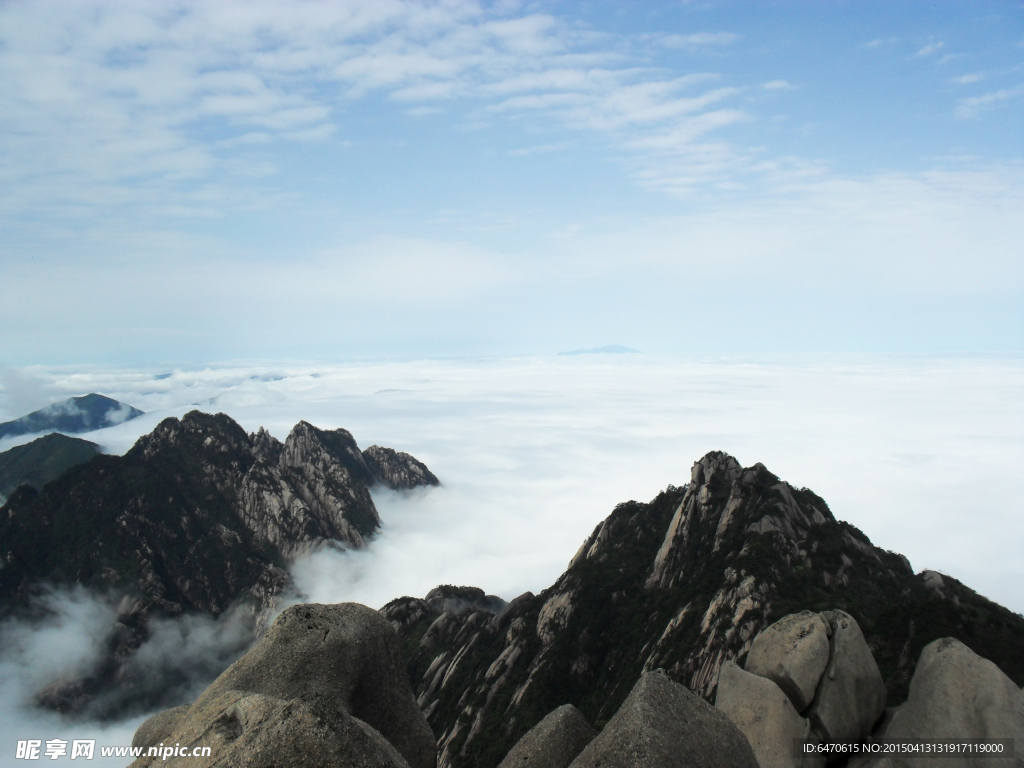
(342, 660)
(252, 730)
(158, 727)
(793, 653)
(851, 694)
(957, 694)
(553, 742)
(662, 724)
(766, 717)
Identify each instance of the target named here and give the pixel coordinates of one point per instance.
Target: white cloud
(777, 85)
(930, 48)
(974, 77)
(972, 106)
(161, 108)
(699, 40)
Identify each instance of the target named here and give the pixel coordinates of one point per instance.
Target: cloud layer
(534, 452)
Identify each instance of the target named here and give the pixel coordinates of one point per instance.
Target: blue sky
(202, 182)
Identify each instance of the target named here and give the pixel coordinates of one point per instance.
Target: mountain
(42, 460)
(76, 414)
(197, 517)
(396, 470)
(610, 349)
(683, 583)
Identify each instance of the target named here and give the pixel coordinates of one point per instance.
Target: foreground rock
(793, 653)
(957, 694)
(251, 730)
(553, 742)
(158, 728)
(661, 724)
(765, 715)
(851, 695)
(324, 674)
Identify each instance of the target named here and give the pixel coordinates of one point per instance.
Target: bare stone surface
(851, 695)
(662, 724)
(553, 742)
(793, 653)
(252, 730)
(765, 715)
(159, 726)
(957, 694)
(347, 658)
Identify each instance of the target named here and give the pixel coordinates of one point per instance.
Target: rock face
(793, 652)
(398, 471)
(661, 724)
(765, 715)
(957, 694)
(197, 517)
(851, 695)
(325, 686)
(553, 743)
(251, 730)
(158, 728)
(684, 583)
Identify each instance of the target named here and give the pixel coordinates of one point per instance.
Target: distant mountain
(683, 583)
(611, 349)
(197, 517)
(76, 414)
(42, 460)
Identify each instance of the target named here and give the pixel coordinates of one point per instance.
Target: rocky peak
(683, 583)
(396, 470)
(447, 598)
(266, 446)
(197, 516)
(307, 446)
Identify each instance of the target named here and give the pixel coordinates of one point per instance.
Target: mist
(922, 455)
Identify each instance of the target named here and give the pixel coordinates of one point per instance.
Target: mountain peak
(74, 415)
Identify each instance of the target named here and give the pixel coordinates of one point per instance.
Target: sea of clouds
(922, 455)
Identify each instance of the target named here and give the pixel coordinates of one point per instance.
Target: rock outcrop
(808, 676)
(957, 694)
(396, 470)
(765, 715)
(158, 728)
(687, 583)
(793, 652)
(325, 686)
(851, 695)
(661, 724)
(197, 517)
(553, 742)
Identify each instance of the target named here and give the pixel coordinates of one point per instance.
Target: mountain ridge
(197, 517)
(683, 583)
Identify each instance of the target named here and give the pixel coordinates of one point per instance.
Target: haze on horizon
(186, 182)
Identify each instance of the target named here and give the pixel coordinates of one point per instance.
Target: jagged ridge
(683, 583)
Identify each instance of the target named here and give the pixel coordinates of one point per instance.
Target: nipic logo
(30, 749)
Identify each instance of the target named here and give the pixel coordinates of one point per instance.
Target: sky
(196, 182)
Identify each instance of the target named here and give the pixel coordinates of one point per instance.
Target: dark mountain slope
(197, 517)
(684, 583)
(42, 460)
(76, 414)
